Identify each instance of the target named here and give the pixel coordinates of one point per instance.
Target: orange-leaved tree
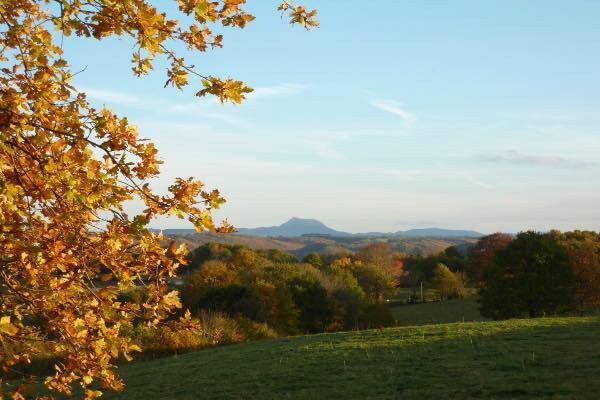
(67, 246)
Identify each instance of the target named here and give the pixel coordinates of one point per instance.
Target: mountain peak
(294, 227)
(304, 226)
(296, 220)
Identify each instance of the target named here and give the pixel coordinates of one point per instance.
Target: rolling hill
(437, 232)
(551, 358)
(303, 245)
(303, 236)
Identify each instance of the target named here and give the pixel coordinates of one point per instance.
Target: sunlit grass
(554, 358)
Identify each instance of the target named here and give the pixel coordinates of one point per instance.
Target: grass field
(555, 358)
(460, 310)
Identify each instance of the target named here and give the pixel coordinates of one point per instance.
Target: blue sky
(459, 114)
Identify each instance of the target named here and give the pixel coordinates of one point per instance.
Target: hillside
(437, 232)
(526, 359)
(302, 245)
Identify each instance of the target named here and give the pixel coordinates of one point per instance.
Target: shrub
(207, 330)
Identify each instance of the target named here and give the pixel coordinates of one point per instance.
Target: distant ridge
(299, 227)
(437, 232)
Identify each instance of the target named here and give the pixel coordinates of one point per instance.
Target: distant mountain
(299, 227)
(293, 227)
(437, 232)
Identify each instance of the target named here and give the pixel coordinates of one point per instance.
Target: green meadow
(550, 358)
(458, 310)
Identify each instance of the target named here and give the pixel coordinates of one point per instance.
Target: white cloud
(395, 108)
(112, 97)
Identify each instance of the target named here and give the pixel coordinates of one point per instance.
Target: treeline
(444, 276)
(527, 275)
(312, 295)
(235, 294)
(537, 274)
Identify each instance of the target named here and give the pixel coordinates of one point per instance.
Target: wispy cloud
(516, 157)
(395, 108)
(112, 97)
(283, 90)
(260, 167)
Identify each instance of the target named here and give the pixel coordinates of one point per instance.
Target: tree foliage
(584, 252)
(483, 254)
(446, 282)
(67, 247)
(290, 297)
(531, 277)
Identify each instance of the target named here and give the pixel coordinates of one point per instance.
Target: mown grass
(459, 310)
(554, 358)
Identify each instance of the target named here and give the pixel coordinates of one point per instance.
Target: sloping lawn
(460, 310)
(554, 358)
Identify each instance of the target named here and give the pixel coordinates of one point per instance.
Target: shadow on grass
(554, 358)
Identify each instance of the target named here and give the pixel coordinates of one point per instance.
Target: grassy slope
(460, 310)
(525, 359)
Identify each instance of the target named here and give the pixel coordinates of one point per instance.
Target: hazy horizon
(456, 115)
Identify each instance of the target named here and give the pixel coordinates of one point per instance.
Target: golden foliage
(67, 247)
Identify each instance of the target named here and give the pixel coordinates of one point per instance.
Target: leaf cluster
(68, 249)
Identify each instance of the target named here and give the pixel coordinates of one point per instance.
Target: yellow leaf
(7, 327)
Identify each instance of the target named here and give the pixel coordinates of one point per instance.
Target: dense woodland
(237, 294)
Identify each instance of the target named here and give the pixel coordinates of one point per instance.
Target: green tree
(278, 256)
(531, 276)
(446, 282)
(375, 283)
(313, 302)
(454, 260)
(313, 259)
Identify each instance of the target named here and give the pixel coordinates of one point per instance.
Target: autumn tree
(584, 253)
(383, 256)
(531, 277)
(212, 274)
(483, 254)
(379, 253)
(374, 282)
(67, 246)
